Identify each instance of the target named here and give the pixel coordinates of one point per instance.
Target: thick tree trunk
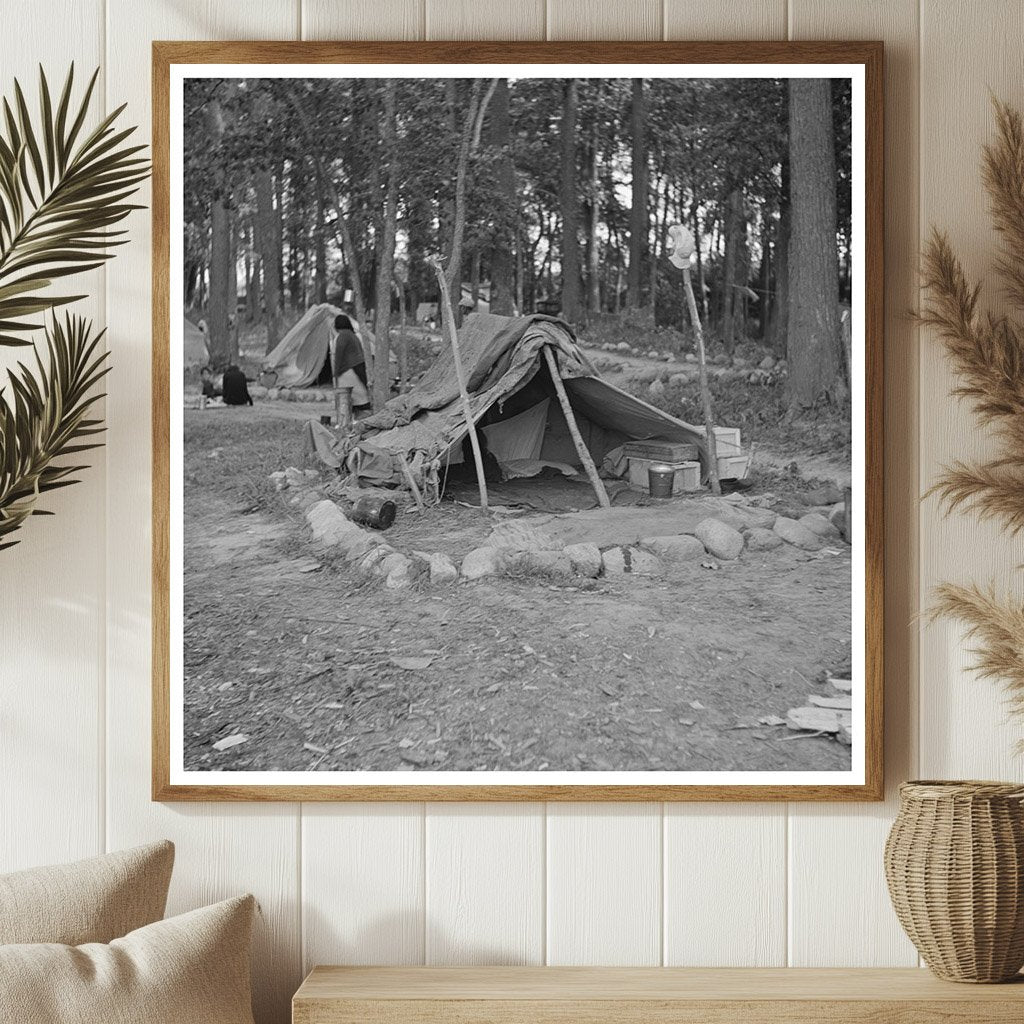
(267, 235)
(814, 339)
(733, 222)
(502, 248)
(386, 255)
(701, 285)
(593, 227)
(570, 201)
(218, 338)
(320, 235)
(638, 226)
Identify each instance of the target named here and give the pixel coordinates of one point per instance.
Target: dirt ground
(292, 650)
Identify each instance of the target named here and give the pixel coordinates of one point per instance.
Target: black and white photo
(518, 425)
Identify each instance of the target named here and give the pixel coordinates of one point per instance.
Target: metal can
(660, 480)
(377, 513)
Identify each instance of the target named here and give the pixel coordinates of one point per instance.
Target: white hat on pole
(682, 246)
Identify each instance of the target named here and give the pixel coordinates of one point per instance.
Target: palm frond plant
(987, 354)
(63, 191)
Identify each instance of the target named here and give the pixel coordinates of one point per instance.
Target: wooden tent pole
(705, 390)
(574, 430)
(448, 317)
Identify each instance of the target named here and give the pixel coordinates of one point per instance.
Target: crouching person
(236, 390)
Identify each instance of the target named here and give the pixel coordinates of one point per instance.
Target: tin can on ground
(377, 513)
(660, 480)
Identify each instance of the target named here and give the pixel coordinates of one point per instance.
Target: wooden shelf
(628, 995)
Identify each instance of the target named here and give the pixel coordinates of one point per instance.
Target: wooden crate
(663, 451)
(647, 995)
(727, 441)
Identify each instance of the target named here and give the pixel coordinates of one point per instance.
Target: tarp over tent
(193, 346)
(507, 380)
(299, 358)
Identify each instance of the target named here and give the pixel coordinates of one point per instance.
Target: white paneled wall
(737, 884)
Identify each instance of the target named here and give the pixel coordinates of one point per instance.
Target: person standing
(349, 362)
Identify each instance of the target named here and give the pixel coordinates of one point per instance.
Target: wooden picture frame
(867, 55)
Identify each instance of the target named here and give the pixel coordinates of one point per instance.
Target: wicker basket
(954, 862)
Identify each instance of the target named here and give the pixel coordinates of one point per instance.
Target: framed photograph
(517, 421)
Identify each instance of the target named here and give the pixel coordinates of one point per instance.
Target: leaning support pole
(448, 316)
(570, 418)
(705, 391)
(682, 248)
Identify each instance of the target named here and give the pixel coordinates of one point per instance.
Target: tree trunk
(593, 226)
(320, 235)
(570, 206)
(218, 338)
(386, 255)
(638, 226)
(267, 234)
(695, 216)
(813, 351)
(502, 247)
(733, 220)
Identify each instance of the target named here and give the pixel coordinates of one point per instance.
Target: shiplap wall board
(639, 884)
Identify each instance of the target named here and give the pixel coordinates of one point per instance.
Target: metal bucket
(377, 513)
(660, 480)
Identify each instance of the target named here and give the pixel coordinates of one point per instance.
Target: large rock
(372, 563)
(760, 539)
(541, 563)
(679, 380)
(656, 389)
(721, 540)
(680, 548)
(585, 559)
(795, 533)
(480, 562)
(399, 571)
(826, 494)
(630, 561)
(334, 530)
(817, 523)
(442, 568)
(837, 517)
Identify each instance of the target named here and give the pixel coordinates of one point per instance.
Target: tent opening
(325, 376)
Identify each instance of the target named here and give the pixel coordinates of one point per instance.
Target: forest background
(548, 195)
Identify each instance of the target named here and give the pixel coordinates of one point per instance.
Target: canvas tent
(303, 356)
(511, 396)
(193, 344)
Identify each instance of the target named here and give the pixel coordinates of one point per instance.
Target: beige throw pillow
(93, 900)
(191, 969)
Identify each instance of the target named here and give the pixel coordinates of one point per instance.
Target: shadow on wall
(399, 939)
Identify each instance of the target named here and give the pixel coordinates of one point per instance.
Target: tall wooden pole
(681, 249)
(448, 318)
(705, 391)
(570, 418)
